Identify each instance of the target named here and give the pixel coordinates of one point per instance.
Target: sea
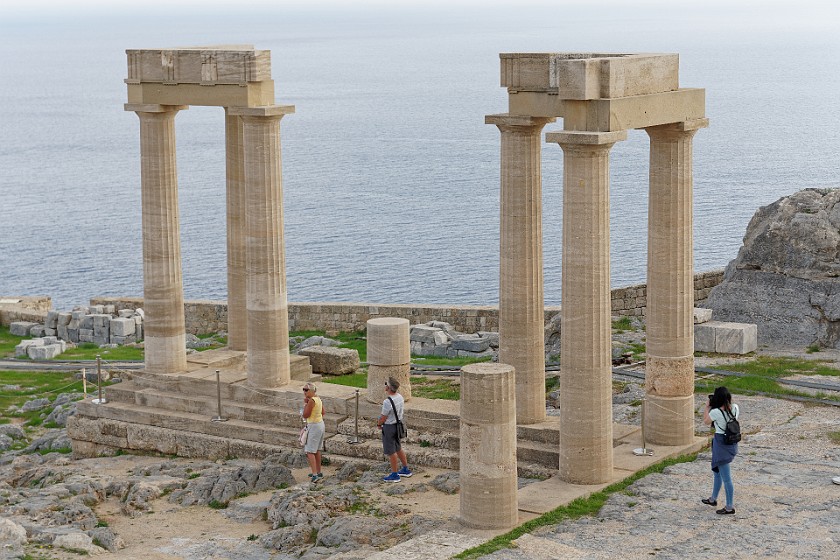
(390, 176)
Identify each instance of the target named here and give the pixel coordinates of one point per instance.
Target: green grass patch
(581, 507)
(33, 385)
(638, 350)
(434, 388)
(355, 340)
(89, 351)
(834, 437)
(762, 375)
(215, 504)
(352, 380)
(622, 324)
(812, 348)
(448, 362)
(8, 342)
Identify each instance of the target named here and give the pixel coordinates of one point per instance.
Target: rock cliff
(786, 278)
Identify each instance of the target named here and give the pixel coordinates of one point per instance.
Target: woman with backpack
(722, 413)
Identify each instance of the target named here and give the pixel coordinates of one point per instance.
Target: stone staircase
(174, 414)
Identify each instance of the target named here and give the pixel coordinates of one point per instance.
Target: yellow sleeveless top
(317, 412)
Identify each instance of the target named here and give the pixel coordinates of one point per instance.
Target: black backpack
(732, 431)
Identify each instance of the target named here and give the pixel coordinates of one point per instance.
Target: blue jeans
(724, 476)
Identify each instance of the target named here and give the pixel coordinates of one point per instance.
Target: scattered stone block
(45, 352)
(97, 309)
(86, 323)
(21, 328)
(335, 361)
(109, 309)
(22, 348)
(725, 338)
(37, 331)
(424, 333)
(50, 332)
(470, 343)
(702, 315)
(122, 326)
(125, 313)
(51, 321)
(493, 337)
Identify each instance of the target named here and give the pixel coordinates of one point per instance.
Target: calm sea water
(391, 178)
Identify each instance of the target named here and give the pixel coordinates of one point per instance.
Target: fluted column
(669, 373)
(265, 268)
(586, 360)
(237, 324)
(163, 286)
(521, 308)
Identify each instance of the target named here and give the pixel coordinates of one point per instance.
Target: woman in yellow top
(313, 412)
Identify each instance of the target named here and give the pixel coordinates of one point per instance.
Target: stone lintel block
(206, 65)
(577, 138)
(471, 343)
(590, 75)
(702, 315)
(606, 115)
(223, 95)
(141, 107)
(725, 338)
(122, 326)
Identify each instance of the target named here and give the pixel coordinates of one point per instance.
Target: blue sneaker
(393, 477)
(405, 471)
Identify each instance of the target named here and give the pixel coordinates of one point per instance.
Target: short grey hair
(393, 384)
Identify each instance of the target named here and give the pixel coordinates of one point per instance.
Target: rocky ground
(128, 507)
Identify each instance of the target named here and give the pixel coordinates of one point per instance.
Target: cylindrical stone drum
(669, 420)
(388, 355)
(488, 446)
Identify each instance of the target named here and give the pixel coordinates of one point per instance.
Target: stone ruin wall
(204, 316)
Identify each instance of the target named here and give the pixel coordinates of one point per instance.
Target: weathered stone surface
(702, 315)
(786, 278)
(471, 343)
(725, 338)
(21, 328)
(335, 361)
(45, 352)
(22, 349)
(11, 534)
(122, 326)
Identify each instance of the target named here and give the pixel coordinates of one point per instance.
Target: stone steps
(208, 407)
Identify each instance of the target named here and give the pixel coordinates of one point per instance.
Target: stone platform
(174, 415)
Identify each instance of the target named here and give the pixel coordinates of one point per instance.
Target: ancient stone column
(265, 266)
(586, 455)
(669, 373)
(237, 324)
(521, 308)
(488, 446)
(388, 355)
(163, 287)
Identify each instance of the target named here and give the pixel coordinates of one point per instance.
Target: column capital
(154, 108)
(507, 119)
(689, 126)
(585, 138)
(264, 111)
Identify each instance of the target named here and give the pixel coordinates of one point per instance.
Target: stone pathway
(787, 506)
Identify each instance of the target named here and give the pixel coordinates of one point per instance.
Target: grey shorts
(315, 437)
(390, 442)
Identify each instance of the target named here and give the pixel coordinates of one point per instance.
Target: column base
(669, 420)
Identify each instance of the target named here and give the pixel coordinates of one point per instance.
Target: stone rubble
(97, 324)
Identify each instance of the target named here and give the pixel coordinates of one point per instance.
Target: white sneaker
(836, 480)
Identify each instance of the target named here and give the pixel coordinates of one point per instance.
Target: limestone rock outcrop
(786, 278)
